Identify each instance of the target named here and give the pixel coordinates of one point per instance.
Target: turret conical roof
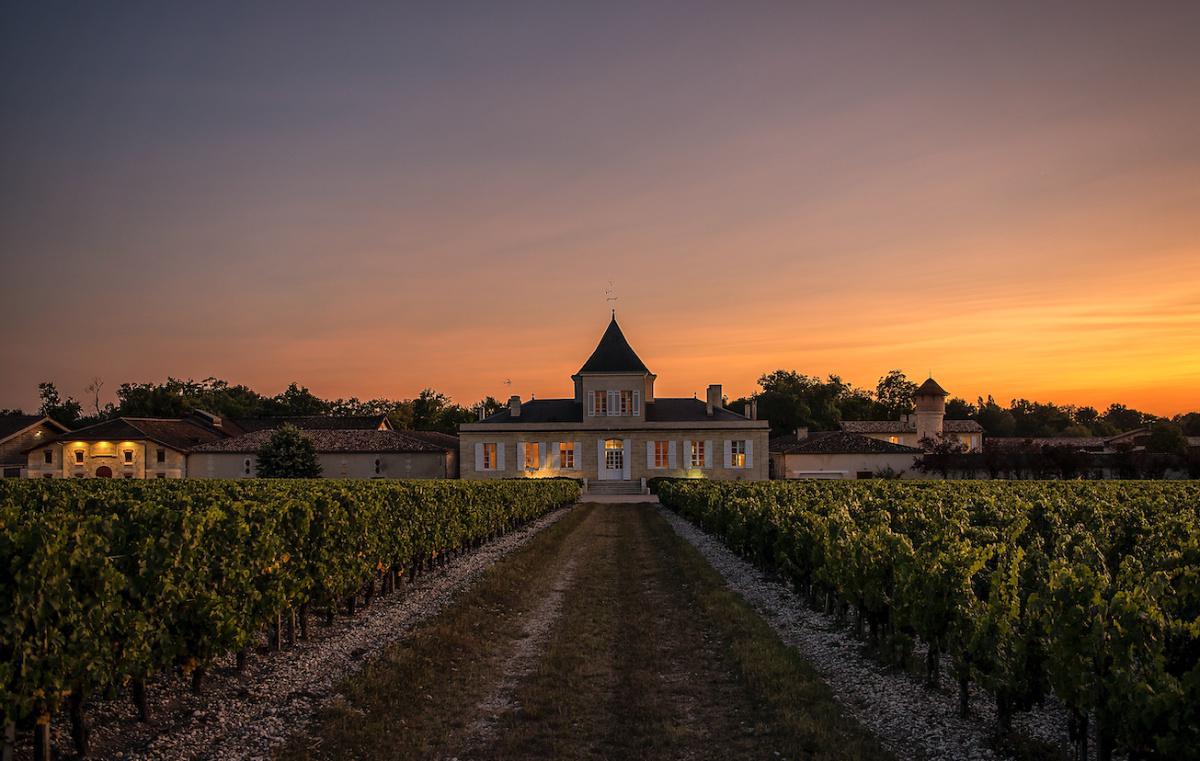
(614, 354)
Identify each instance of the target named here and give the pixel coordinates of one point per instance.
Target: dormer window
(599, 402)
(626, 400)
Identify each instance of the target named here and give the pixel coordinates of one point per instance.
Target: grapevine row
(106, 583)
(1088, 591)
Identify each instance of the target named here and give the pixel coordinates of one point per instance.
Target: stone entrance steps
(614, 487)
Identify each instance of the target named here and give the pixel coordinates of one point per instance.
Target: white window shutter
(626, 460)
(671, 454)
(478, 455)
(521, 455)
(555, 455)
(578, 452)
(590, 403)
(650, 455)
(708, 458)
(749, 453)
(637, 403)
(544, 454)
(599, 456)
(499, 455)
(613, 403)
(728, 453)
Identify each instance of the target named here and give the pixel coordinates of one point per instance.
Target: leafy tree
(288, 454)
(297, 400)
(996, 420)
(66, 411)
(1126, 419)
(959, 409)
(1189, 423)
(1167, 438)
(894, 393)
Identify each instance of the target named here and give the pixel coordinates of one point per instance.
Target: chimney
(754, 409)
(801, 434)
(715, 402)
(514, 405)
(482, 412)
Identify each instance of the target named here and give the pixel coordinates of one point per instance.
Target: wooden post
(139, 699)
(41, 740)
(79, 727)
(10, 740)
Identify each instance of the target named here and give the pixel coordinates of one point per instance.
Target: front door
(614, 460)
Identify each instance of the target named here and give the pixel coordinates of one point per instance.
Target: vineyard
(1086, 591)
(107, 583)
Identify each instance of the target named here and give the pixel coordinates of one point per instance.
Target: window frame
(532, 463)
(737, 459)
(489, 448)
(599, 402)
(696, 452)
(662, 455)
(48, 456)
(79, 457)
(566, 455)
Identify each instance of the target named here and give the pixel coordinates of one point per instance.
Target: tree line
(787, 398)
(430, 410)
(791, 400)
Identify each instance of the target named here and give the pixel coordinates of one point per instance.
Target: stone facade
(615, 429)
(23, 434)
(122, 459)
(336, 465)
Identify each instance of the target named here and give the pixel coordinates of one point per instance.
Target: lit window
(566, 454)
(160, 455)
(531, 456)
(614, 454)
(626, 403)
(128, 456)
(78, 456)
(48, 456)
(894, 439)
(489, 456)
(697, 458)
(599, 402)
(737, 454)
(662, 454)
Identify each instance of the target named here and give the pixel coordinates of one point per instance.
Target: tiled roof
(330, 441)
(1075, 442)
(10, 425)
(437, 438)
(180, 434)
(661, 410)
(899, 426)
(930, 388)
(316, 422)
(836, 442)
(614, 354)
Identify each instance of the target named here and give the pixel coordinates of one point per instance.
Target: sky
(370, 199)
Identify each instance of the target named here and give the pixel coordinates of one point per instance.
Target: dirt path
(606, 637)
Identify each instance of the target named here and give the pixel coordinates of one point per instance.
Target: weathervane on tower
(609, 295)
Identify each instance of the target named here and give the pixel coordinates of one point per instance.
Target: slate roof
(541, 411)
(330, 442)
(836, 442)
(899, 426)
(685, 410)
(316, 422)
(661, 410)
(930, 388)
(613, 354)
(180, 434)
(10, 425)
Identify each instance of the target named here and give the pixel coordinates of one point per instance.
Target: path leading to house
(607, 636)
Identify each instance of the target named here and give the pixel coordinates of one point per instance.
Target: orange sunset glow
(393, 199)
